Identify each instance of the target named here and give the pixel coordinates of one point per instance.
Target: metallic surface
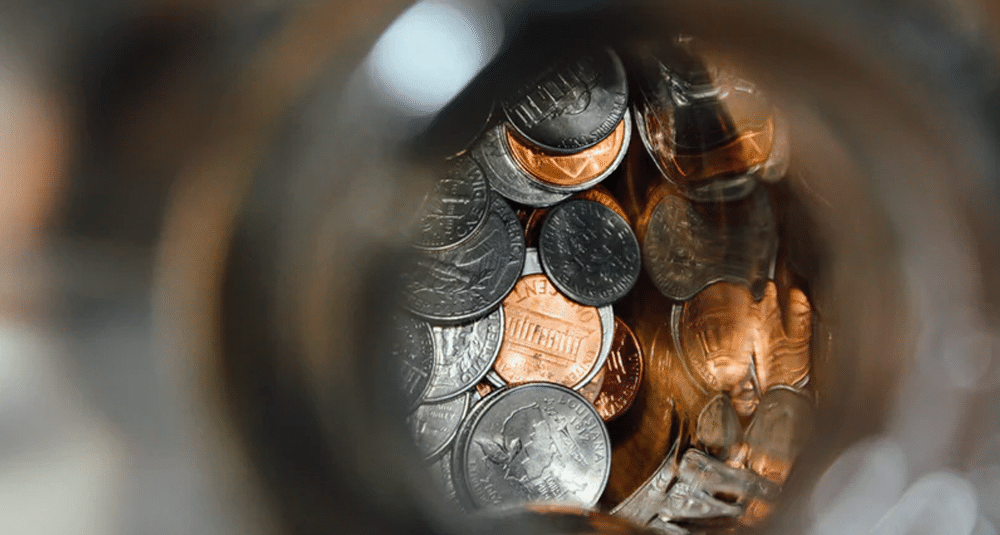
(623, 374)
(533, 220)
(454, 208)
(539, 443)
(573, 104)
(505, 176)
(463, 355)
(574, 171)
(591, 390)
(413, 349)
(589, 252)
(688, 245)
(467, 281)
(434, 425)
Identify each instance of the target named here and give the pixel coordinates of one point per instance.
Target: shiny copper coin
(484, 389)
(623, 374)
(568, 169)
(547, 337)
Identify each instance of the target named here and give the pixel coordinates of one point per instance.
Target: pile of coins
(511, 355)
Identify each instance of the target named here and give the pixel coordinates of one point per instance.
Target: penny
(589, 252)
(455, 207)
(573, 104)
(547, 337)
(467, 281)
(484, 389)
(689, 245)
(623, 374)
(463, 354)
(729, 343)
(504, 174)
(413, 348)
(575, 171)
(434, 425)
(533, 443)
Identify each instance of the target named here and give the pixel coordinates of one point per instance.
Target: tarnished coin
(434, 425)
(589, 252)
(689, 245)
(622, 374)
(413, 348)
(573, 104)
(574, 171)
(455, 207)
(504, 174)
(463, 354)
(533, 443)
(467, 281)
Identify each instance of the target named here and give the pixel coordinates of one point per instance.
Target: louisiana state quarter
(589, 252)
(463, 354)
(533, 443)
(455, 207)
(467, 281)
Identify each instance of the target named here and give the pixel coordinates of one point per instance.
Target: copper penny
(623, 374)
(547, 337)
(568, 169)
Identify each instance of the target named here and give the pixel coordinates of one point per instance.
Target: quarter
(455, 207)
(434, 425)
(463, 354)
(412, 347)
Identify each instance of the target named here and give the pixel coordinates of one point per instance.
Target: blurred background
(195, 234)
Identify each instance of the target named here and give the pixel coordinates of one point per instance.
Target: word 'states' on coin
(413, 349)
(573, 104)
(622, 374)
(547, 337)
(464, 355)
(589, 252)
(468, 281)
(455, 207)
(688, 245)
(533, 443)
(434, 425)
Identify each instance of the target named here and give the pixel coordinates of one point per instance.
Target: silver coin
(455, 207)
(440, 473)
(589, 252)
(689, 245)
(434, 425)
(504, 174)
(413, 348)
(619, 158)
(467, 281)
(533, 443)
(573, 104)
(533, 266)
(463, 354)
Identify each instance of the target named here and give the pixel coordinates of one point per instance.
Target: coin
(434, 425)
(463, 354)
(589, 252)
(413, 348)
(591, 390)
(440, 472)
(455, 207)
(574, 171)
(623, 374)
(533, 220)
(573, 104)
(729, 343)
(467, 281)
(504, 174)
(689, 245)
(533, 443)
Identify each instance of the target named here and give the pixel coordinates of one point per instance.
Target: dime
(505, 176)
(533, 220)
(434, 425)
(547, 337)
(455, 208)
(689, 245)
(413, 348)
(623, 374)
(468, 281)
(533, 443)
(573, 104)
(463, 354)
(589, 252)
(576, 171)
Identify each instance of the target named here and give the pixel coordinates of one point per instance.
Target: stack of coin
(511, 354)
